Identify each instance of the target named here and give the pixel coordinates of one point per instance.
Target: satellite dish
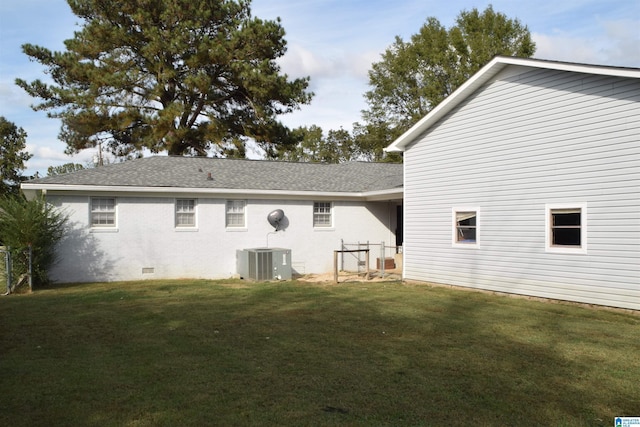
(275, 217)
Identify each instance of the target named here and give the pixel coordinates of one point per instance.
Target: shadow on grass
(287, 354)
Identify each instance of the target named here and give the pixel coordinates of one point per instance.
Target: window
(465, 226)
(236, 213)
(185, 213)
(322, 214)
(566, 228)
(103, 212)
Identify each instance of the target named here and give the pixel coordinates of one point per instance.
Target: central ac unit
(264, 263)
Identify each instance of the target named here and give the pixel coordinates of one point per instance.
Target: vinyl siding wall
(529, 139)
(146, 239)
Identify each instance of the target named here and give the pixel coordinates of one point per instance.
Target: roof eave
(382, 195)
(31, 190)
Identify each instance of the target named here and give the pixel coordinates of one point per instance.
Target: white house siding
(526, 140)
(146, 240)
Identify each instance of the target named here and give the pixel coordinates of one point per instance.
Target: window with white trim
(566, 228)
(322, 214)
(185, 213)
(465, 226)
(103, 212)
(235, 217)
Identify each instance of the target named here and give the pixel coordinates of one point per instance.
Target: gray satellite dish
(275, 217)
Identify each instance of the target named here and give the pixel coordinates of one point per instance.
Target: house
(526, 180)
(186, 217)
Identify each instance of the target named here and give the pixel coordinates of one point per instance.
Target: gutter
(32, 190)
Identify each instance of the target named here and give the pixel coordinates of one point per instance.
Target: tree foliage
(415, 76)
(182, 76)
(13, 142)
(34, 223)
(336, 147)
(62, 169)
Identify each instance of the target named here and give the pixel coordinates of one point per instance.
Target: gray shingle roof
(192, 172)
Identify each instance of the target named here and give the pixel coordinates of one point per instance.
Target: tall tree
(336, 147)
(13, 156)
(182, 76)
(413, 77)
(339, 147)
(310, 139)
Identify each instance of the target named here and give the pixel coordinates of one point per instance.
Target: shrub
(31, 222)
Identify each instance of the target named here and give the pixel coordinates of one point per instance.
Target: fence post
(30, 268)
(382, 259)
(4, 267)
(367, 263)
(9, 270)
(368, 248)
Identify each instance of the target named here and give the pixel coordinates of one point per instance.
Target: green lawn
(193, 353)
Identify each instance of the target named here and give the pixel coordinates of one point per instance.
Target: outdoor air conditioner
(264, 263)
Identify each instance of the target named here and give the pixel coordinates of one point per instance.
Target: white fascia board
(381, 195)
(466, 89)
(487, 72)
(266, 194)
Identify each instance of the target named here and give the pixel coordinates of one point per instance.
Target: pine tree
(189, 77)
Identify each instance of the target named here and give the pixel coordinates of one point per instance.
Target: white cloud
(47, 155)
(615, 43)
(300, 61)
(13, 98)
(52, 154)
(562, 47)
(337, 104)
(624, 48)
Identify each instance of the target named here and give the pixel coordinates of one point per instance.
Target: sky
(334, 42)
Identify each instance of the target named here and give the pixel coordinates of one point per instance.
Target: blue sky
(332, 41)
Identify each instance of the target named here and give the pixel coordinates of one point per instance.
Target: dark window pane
(564, 219)
(566, 236)
(566, 227)
(467, 235)
(468, 222)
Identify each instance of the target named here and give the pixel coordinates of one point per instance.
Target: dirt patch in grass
(350, 277)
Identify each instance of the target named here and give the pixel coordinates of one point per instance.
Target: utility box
(264, 263)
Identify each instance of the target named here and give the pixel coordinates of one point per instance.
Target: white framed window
(465, 230)
(566, 228)
(236, 214)
(185, 213)
(322, 215)
(103, 212)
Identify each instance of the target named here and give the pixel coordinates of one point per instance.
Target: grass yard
(193, 353)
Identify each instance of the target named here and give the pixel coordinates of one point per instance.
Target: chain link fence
(16, 268)
(387, 257)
